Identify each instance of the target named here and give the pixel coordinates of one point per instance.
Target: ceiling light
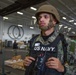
(71, 20)
(65, 27)
(69, 29)
(74, 23)
(60, 26)
(73, 32)
(64, 18)
(20, 25)
(33, 8)
(5, 18)
(33, 17)
(34, 21)
(31, 27)
(20, 13)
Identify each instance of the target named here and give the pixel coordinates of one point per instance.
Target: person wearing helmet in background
(46, 54)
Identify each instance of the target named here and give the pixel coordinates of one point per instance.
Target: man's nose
(42, 19)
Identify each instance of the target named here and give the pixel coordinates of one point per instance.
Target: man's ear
(54, 21)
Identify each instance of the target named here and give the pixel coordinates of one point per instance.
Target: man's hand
(55, 63)
(28, 60)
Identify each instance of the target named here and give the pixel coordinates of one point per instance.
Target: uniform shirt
(69, 65)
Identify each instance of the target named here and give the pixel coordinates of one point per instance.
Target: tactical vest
(41, 53)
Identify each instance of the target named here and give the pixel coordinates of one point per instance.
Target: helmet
(49, 9)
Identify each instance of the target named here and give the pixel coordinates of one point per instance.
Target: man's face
(44, 21)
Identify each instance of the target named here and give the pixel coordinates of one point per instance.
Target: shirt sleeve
(70, 64)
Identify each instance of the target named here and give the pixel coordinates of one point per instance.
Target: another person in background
(49, 52)
(15, 47)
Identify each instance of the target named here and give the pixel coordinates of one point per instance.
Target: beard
(50, 25)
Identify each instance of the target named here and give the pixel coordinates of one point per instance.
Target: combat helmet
(48, 9)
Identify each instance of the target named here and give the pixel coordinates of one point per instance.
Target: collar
(50, 38)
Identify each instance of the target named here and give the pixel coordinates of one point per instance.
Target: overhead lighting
(5, 18)
(74, 23)
(20, 13)
(33, 17)
(33, 8)
(34, 21)
(69, 29)
(71, 20)
(60, 26)
(31, 27)
(65, 27)
(64, 18)
(73, 32)
(20, 25)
